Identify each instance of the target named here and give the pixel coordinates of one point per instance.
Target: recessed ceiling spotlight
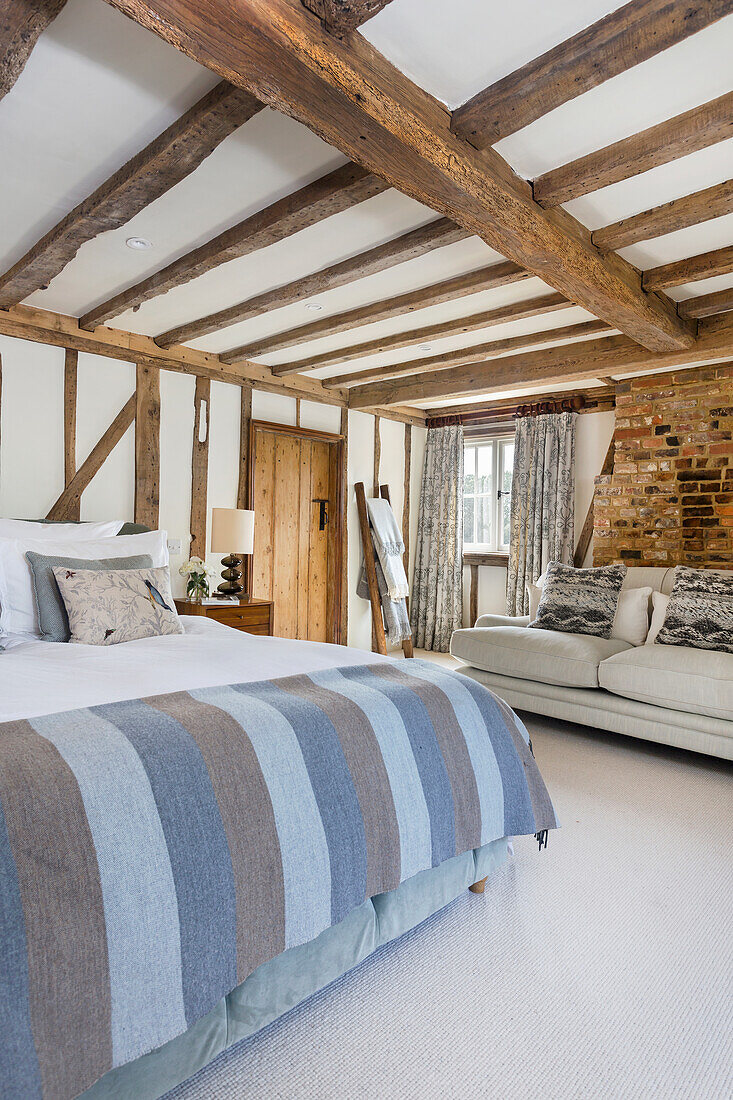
(424, 347)
(314, 306)
(139, 244)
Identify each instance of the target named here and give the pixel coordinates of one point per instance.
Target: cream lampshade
(232, 533)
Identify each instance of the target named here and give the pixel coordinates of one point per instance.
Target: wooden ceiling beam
(472, 282)
(619, 41)
(41, 326)
(676, 137)
(705, 266)
(342, 17)
(532, 307)
(357, 101)
(22, 23)
(616, 355)
(418, 242)
(167, 160)
(339, 190)
(476, 354)
(712, 202)
(707, 305)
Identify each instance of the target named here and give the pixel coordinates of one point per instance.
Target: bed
(129, 1034)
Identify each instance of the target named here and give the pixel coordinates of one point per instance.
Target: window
(486, 493)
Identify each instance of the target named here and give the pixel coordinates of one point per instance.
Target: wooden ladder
(371, 570)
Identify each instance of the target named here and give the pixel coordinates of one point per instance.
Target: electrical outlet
(174, 546)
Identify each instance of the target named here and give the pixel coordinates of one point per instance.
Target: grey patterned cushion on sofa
(52, 617)
(700, 611)
(580, 601)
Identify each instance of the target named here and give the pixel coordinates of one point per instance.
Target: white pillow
(32, 529)
(659, 611)
(631, 621)
(18, 612)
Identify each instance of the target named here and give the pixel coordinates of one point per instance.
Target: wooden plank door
(295, 563)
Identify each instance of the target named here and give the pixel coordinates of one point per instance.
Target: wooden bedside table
(253, 616)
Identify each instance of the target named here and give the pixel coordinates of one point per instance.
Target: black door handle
(323, 512)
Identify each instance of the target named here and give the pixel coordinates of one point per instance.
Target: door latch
(323, 512)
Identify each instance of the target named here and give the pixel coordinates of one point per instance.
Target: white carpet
(600, 968)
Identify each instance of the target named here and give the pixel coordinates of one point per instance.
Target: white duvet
(46, 677)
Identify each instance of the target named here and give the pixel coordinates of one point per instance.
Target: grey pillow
(52, 617)
(700, 611)
(580, 601)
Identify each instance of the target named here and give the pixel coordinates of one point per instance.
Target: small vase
(197, 589)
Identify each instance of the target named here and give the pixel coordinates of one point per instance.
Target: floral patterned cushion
(109, 606)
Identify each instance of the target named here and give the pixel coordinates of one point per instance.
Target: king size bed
(199, 830)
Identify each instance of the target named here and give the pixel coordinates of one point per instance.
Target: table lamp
(232, 533)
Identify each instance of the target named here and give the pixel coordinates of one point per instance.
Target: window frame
(500, 440)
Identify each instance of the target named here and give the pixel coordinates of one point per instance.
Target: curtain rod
(509, 411)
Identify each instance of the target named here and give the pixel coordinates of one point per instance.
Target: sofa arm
(502, 620)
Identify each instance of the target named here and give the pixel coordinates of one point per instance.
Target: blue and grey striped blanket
(154, 852)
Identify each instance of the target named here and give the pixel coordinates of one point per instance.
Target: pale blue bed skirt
(277, 986)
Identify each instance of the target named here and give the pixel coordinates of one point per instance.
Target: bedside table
(253, 616)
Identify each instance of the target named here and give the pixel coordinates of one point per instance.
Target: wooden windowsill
(500, 558)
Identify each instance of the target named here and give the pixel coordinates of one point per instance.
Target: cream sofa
(671, 694)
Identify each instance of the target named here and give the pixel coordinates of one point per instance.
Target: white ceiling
(97, 88)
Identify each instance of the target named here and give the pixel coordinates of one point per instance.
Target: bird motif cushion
(106, 607)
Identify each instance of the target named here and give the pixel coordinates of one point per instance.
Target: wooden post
(71, 360)
(345, 530)
(406, 497)
(147, 446)
(371, 569)
(473, 598)
(245, 418)
(377, 455)
(200, 468)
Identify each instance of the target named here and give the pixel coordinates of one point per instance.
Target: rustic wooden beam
(707, 305)
(200, 467)
(667, 141)
(711, 202)
(472, 282)
(21, 24)
(67, 505)
(616, 43)
(44, 327)
(473, 595)
(337, 191)
(243, 496)
(163, 163)
(477, 354)
(418, 242)
(147, 446)
(342, 17)
(532, 307)
(344, 430)
(352, 97)
(705, 266)
(71, 359)
(586, 533)
(615, 355)
(377, 456)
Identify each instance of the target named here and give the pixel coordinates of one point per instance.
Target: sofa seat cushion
(549, 656)
(699, 681)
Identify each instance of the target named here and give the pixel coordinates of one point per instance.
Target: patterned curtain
(437, 587)
(543, 502)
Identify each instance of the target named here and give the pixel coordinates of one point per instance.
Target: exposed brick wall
(669, 500)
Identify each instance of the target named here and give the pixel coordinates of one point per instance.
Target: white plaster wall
(593, 435)
(31, 449)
